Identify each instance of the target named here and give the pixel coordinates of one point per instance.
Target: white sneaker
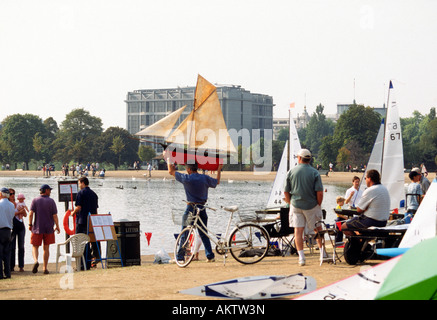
(301, 262)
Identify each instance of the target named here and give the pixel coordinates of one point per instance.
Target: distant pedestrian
(7, 212)
(149, 167)
(42, 217)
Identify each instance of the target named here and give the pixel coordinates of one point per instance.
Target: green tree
(40, 147)
(327, 152)
(317, 128)
(417, 137)
(411, 138)
(428, 144)
(146, 153)
(117, 147)
(106, 140)
(77, 136)
(17, 136)
(359, 124)
(283, 135)
(343, 157)
(277, 149)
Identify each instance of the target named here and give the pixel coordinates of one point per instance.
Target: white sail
(256, 287)
(375, 160)
(387, 156)
(277, 192)
(424, 224)
(361, 286)
(163, 127)
(392, 172)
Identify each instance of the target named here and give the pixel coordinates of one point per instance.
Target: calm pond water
(154, 202)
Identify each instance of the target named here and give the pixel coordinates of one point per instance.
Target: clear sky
(57, 55)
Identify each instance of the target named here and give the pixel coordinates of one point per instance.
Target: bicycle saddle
(231, 208)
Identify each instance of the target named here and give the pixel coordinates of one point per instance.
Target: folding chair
(282, 231)
(331, 232)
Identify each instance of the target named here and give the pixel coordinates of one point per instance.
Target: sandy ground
(333, 177)
(160, 281)
(164, 281)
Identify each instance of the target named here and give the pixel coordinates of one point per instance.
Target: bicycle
(248, 242)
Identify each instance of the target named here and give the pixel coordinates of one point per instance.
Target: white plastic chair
(77, 243)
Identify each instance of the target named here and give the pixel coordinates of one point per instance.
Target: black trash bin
(128, 235)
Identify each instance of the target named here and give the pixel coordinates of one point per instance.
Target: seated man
(374, 206)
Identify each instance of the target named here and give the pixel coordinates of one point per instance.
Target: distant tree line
(350, 140)
(80, 138)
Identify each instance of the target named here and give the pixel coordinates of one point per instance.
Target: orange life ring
(66, 225)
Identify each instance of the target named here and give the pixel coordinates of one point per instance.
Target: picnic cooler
(128, 235)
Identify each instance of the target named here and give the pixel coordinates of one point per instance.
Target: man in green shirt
(304, 192)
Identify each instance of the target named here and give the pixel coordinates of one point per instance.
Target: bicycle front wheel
(182, 249)
(249, 243)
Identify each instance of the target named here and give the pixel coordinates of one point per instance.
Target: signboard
(101, 228)
(66, 188)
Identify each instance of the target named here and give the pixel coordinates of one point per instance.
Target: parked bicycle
(247, 242)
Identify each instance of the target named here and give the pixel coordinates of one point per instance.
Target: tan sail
(205, 127)
(163, 127)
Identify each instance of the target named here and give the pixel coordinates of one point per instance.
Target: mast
(290, 135)
(390, 86)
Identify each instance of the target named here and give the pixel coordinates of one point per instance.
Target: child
(21, 205)
(340, 203)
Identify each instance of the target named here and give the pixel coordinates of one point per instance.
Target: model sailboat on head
(202, 137)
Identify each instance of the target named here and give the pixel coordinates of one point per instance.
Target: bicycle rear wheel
(182, 249)
(249, 243)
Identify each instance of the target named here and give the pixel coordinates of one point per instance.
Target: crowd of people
(79, 169)
(43, 223)
(374, 202)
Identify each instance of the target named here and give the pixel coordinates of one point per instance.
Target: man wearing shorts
(43, 215)
(374, 206)
(304, 192)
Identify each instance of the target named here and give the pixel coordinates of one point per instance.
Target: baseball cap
(45, 187)
(20, 196)
(304, 153)
(416, 169)
(4, 190)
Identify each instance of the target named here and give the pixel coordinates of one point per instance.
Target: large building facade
(241, 108)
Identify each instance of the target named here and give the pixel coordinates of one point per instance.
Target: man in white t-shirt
(354, 193)
(374, 206)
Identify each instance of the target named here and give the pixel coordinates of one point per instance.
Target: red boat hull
(204, 162)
